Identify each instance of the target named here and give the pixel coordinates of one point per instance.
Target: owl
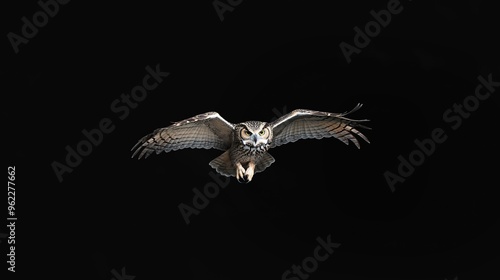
(246, 144)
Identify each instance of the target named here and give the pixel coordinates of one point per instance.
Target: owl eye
(264, 132)
(245, 133)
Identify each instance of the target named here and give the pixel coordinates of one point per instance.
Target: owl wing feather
(307, 124)
(205, 131)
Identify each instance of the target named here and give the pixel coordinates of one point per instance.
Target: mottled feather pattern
(309, 124)
(253, 125)
(204, 131)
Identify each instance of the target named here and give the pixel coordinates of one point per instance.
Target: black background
(112, 211)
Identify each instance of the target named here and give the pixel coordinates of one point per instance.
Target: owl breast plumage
(246, 144)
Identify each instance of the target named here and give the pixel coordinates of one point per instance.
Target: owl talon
(240, 174)
(243, 180)
(249, 174)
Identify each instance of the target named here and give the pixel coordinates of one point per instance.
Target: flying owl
(245, 144)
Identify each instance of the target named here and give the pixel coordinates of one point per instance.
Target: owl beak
(255, 139)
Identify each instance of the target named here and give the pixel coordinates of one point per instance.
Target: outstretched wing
(306, 124)
(207, 131)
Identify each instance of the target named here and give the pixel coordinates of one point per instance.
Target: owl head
(254, 134)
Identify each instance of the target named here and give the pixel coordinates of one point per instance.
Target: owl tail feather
(263, 162)
(224, 165)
